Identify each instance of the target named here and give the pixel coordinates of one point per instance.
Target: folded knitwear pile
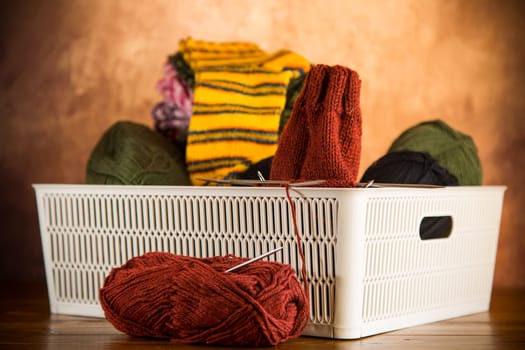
(230, 110)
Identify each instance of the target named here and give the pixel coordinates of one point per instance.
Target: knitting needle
(247, 262)
(260, 176)
(244, 182)
(372, 184)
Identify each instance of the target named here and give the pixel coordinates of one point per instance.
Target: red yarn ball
(191, 300)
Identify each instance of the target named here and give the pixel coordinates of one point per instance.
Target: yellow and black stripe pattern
(239, 94)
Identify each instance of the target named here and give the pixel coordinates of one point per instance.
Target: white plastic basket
(368, 269)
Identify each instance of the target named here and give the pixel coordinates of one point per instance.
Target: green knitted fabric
(183, 69)
(292, 92)
(132, 154)
(452, 149)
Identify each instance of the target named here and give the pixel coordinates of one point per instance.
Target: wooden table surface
(25, 323)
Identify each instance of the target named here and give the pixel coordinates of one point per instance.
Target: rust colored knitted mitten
(322, 140)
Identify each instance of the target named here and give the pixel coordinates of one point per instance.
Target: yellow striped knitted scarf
(239, 94)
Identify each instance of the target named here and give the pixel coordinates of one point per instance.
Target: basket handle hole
(433, 227)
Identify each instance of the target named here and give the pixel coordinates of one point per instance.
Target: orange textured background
(69, 69)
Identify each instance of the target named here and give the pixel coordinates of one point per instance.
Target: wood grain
(25, 323)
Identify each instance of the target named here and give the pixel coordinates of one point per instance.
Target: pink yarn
(172, 115)
(175, 91)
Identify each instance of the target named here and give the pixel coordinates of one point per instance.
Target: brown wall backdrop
(69, 69)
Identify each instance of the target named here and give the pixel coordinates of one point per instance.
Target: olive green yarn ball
(133, 154)
(452, 149)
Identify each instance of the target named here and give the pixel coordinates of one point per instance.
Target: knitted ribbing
(329, 147)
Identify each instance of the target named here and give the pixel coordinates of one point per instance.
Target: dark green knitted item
(452, 149)
(292, 92)
(183, 69)
(132, 154)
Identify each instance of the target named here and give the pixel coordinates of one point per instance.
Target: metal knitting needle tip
(260, 176)
(247, 262)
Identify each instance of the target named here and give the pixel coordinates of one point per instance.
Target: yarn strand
(299, 240)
